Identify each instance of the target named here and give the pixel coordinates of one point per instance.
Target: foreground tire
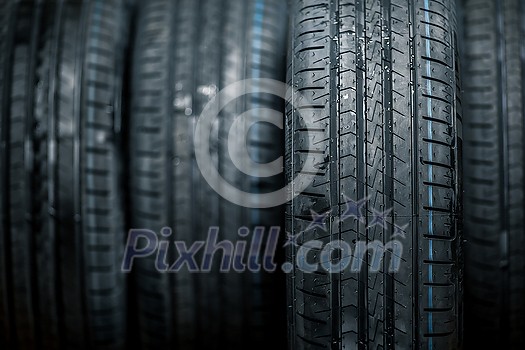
(379, 81)
(64, 234)
(185, 52)
(494, 169)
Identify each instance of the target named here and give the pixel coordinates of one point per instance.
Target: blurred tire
(494, 168)
(62, 214)
(185, 52)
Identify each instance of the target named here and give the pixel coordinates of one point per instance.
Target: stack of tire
(61, 191)
(413, 109)
(99, 100)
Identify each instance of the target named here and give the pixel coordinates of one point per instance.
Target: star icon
(291, 240)
(354, 209)
(379, 218)
(400, 231)
(318, 220)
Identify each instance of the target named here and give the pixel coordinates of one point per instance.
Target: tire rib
(361, 152)
(335, 229)
(388, 175)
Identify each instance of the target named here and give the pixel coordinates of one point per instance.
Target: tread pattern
(494, 169)
(151, 152)
(386, 121)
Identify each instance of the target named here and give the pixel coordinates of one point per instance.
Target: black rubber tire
(185, 52)
(494, 169)
(75, 212)
(18, 242)
(384, 117)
